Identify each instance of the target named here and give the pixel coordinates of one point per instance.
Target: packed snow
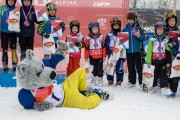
(128, 104)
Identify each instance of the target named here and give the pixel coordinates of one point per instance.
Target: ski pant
(173, 82)
(160, 74)
(119, 71)
(25, 43)
(6, 38)
(73, 85)
(73, 65)
(98, 66)
(134, 61)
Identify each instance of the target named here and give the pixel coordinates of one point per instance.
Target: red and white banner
(41, 13)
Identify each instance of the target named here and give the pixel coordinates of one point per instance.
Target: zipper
(131, 39)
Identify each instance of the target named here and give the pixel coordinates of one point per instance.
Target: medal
(26, 23)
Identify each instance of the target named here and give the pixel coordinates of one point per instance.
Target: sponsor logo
(102, 23)
(13, 21)
(148, 75)
(49, 44)
(176, 67)
(101, 4)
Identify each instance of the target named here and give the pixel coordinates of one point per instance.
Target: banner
(56, 29)
(40, 13)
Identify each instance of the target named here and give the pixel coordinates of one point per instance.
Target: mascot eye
(38, 74)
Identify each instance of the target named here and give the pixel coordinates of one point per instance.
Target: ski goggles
(26, 0)
(159, 26)
(116, 21)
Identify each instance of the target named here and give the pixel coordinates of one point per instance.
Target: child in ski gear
(134, 58)
(159, 55)
(95, 50)
(110, 42)
(46, 27)
(8, 36)
(27, 27)
(75, 41)
(40, 92)
(171, 25)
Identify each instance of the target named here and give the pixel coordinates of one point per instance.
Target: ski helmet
(51, 6)
(115, 21)
(74, 23)
(169, 16)
(131, 15)
(160, 25)
(93, 24)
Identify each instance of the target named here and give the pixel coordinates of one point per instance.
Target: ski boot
(5, 67)
(93, 81)
(100, 81)
(145, 88)
(118, 82)
(5, 61)
(110, 82)
(165, 92)
(14, 59)
(105, 95)
(23, 55)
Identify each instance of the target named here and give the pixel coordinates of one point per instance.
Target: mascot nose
(52, 75)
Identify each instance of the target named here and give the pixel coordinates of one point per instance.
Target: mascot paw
(61, 48)
(41, 106)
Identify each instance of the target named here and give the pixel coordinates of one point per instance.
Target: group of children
(97, 48)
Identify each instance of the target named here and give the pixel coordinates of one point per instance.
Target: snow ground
(128, 104)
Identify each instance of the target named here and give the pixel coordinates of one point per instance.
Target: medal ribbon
(26, 17)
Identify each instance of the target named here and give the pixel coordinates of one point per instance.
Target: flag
(41, 13)
(124, 36)
(56, 28)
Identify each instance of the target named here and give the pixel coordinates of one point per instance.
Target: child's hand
(125, 66)
(109, 64)
(168, 65)
(65, 53)
(104, 58)
(62, 24)
(137, 34)
(46, 35)
(149, 65)
(115, 50)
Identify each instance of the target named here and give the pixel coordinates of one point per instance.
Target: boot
(100, 81)
(5, 60)
(93, 81)
(145, 88)
(23, 55)
(118, 82)
(14, 59)
(110, 82)
(105, 95)
(130, 85)
(46, 56)
(166, 92)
